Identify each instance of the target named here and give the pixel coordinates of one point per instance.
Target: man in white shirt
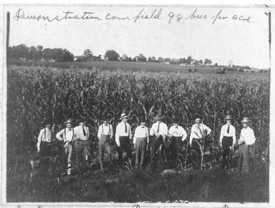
(67, 135)
(247, 138)
(82, 134)
(227, 139)
(104, 134)
(122, 137)
(44, 140)
(177, 135)
(44, 144)
(198, 133)
(158, 133)
(141, 139)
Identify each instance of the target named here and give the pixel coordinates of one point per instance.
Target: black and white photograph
(137, 105)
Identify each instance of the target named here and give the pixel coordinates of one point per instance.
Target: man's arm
(88, 132)
(99, 132)
(252, 138)
(152, 131)
(165, 130)
(234, 136)
(147, 135)
(130, 132)
(39, 139)
(117, 136)
(191, 135)
(170, 131)
(59, 134)
(111, 131)
(208, 130)
(135, 136)
(184, 134)
(221, 135)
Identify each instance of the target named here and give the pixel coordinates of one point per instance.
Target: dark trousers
(104, 145)
(81, 151)
(175, 148)
(45, 149)
(197, 146)
(243, 161)
(124, 146)
(226, 143)
(157, 148)
(140, 151)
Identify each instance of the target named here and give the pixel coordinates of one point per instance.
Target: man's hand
(240, 141)
(220, 144)
(135, 145)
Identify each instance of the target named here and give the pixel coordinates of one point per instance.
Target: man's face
(142, 124)
(228, 121)
(176, 124)
(48, 126)
(198, 121)
(245, 125)
(81, 123)
(68, 125)
(105, 122)
(124, 120)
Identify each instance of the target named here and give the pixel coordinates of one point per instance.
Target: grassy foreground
(214, 185)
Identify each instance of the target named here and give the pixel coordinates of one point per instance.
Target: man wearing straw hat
(141, 140)
(159, 132)
(67, 135)
(44, 140)
(247, 138)
(82, 134)
(177, 135)
(227, 139)
(122, 137)
(104, 134)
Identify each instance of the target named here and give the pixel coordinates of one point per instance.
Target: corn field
(36, 93)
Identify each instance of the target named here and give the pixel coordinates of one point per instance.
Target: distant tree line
(39, 53)
(23, 52)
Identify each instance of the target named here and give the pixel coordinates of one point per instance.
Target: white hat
(123, 116)
(245, 120)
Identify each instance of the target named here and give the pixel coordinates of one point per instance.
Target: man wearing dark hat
(104, 134)
(123, 136)
(159, 132)
(227, 139)
(247, 138)
(44, 140)
(141, 139)
(198, 133)
(82, 134)
(177, 135)
(67, 135)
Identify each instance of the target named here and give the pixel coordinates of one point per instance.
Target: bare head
(198, 121)
(69, 125)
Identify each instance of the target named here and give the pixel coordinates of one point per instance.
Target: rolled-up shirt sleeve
(59, 134)
(208, 130)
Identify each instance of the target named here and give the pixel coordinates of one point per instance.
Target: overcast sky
(241, 42)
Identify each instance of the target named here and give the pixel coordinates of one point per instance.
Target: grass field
(36, 92)
(128, 66)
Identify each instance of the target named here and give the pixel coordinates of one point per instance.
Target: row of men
(158, 135)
